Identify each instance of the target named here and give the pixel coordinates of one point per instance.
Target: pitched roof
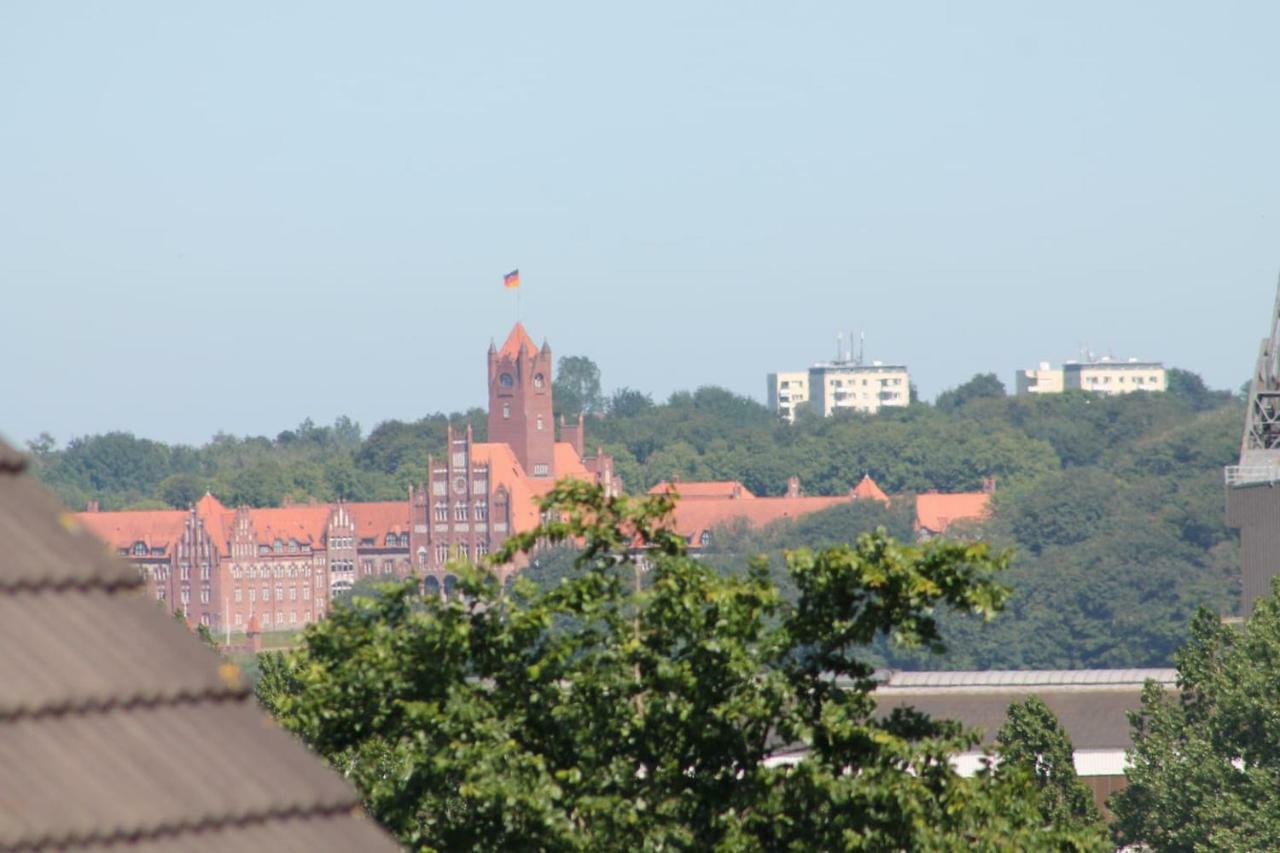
(505, 471)
(155, 528)
(518, 341)
(694, 517)
(375, 519)
(303, 522)
(869, 489)
(116, 725)
(704, 489)
(936, 512)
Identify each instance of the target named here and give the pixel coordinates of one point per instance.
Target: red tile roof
(375, 519)
(936, 512)
(304, 522)
(518, 341)
(867, 488)
(156, 528)
(704, 490)
(694, 517)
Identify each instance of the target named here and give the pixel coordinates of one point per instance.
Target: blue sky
(234, 216)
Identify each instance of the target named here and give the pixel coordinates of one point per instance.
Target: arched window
(431, 585)
(705, 538)
(482, 511)
(422, 555)
(506, 381)
(538, 380)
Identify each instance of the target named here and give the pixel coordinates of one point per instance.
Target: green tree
(181, 490)
(576, 387)
(983, 385)
(1205, 760)
(1032, 741)
(597, 714)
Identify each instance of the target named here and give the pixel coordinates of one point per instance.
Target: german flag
(511, 280)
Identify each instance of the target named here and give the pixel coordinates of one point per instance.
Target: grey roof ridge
(178, 829)
(24, 585)
(85, 707)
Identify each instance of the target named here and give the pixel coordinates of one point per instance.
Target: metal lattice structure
(1261, 443)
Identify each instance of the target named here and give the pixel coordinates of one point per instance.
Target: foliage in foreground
(607, 713)
(1032, 740)
(1205, 762)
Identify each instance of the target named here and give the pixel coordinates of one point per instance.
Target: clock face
(460, 485)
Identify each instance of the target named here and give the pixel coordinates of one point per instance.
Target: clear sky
(231, 216)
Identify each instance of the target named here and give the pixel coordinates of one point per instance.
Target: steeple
(520, 402)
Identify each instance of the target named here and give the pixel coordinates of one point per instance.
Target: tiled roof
(936, 512)
(375, 519)
(117, 726)
(694, 517)
(704, 489)
(517, 341)
(869, 489)
(505, 470)
(156, 528)
(303, 522)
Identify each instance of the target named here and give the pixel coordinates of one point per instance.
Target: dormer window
(705, 538)
(404, 540)
(277, 547)
(506, 381)
(139, 549)
(390, 541)
(293, 546)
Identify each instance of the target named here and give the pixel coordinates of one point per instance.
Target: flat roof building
(1038, 380)
(1112, 376)
(786, 390)
(837, 386)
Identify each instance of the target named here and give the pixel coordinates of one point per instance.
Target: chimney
(737, 490)
(988, 485)
(92, 506)
(793, 487)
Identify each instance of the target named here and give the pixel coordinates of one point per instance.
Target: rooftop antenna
(862, 340)
(839, 346)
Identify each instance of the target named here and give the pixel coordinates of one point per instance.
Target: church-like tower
(520, 402)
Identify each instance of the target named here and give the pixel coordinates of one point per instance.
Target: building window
(160, 594)
(442, 554)
(367, 566)
(442, 512)
(186, 595)
(538, 380)
(186, 573)
(460, 512)
(279, 592)
(238, 594)
(482, 550)
(388, 567)
(306, 593)
(541, 470)
(390, 541)
(238, 620)
(539, 422)
(293, 617)
(506, 411)
(139, 549)
(404, 540)
(464, 551)
(307, 616)
(293, 593)
(253, 595)
(293, 546)
(506, 380)
(705, 538)
(482, 511)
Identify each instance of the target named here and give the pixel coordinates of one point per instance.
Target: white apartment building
(786, 390)
(1112, 376)
(1038, 380)
(848, 386)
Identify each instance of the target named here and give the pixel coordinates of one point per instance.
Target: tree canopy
(1205, 759)
(608, 713)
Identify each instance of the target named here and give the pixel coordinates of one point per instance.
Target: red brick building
(223, 567)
